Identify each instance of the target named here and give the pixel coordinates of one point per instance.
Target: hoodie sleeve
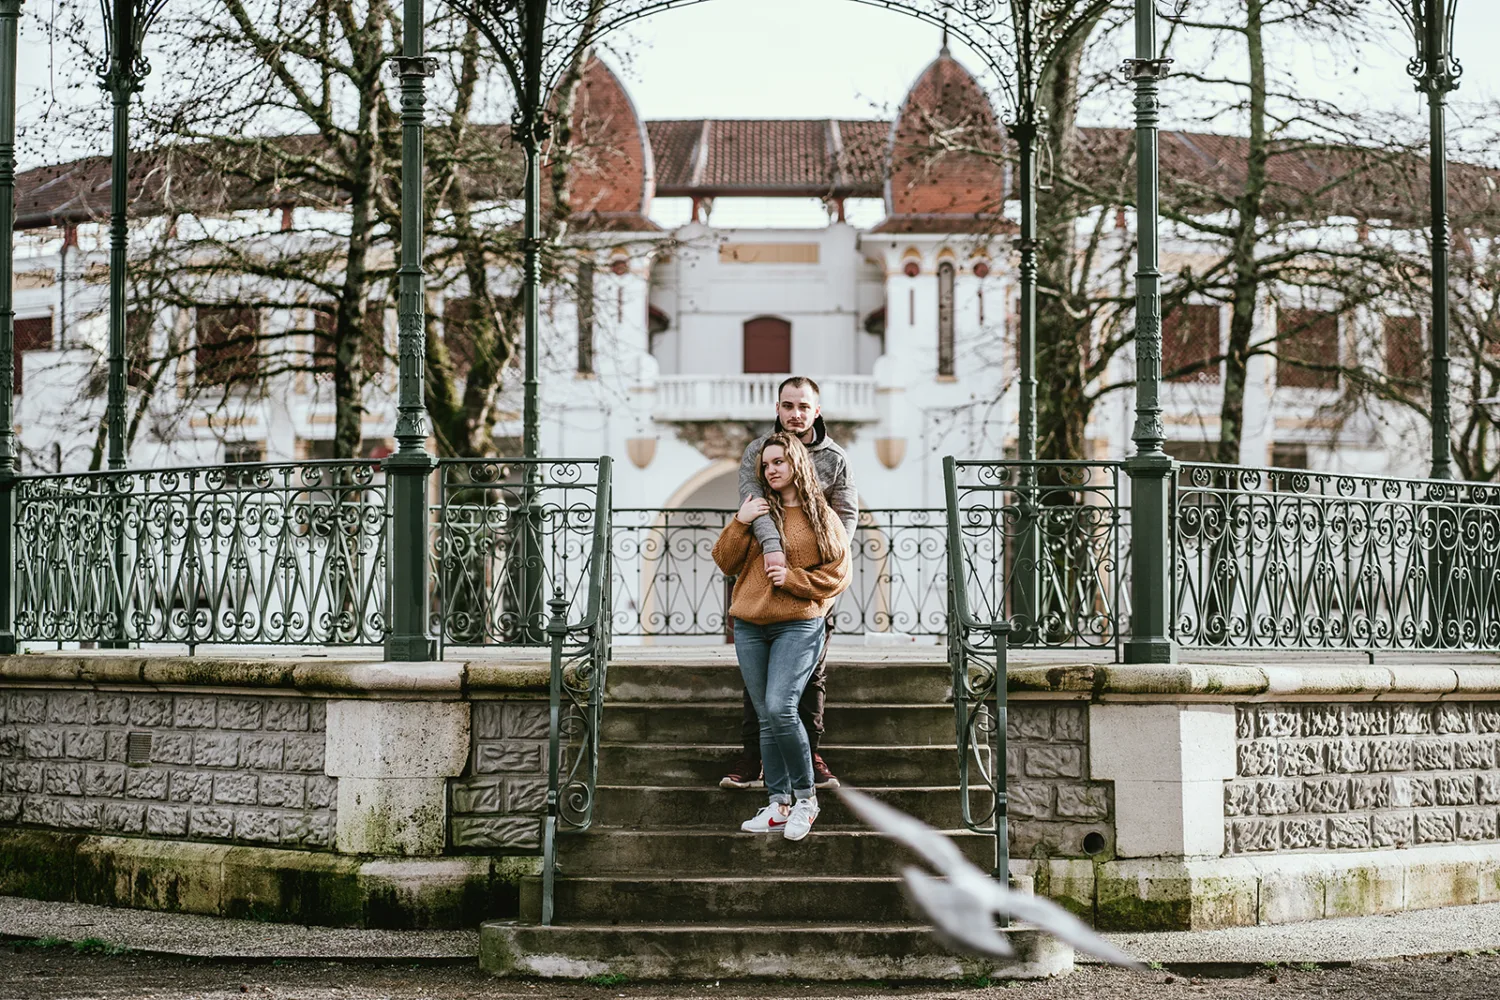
(844, 499)
(764, 527)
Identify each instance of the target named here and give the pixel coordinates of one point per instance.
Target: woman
(778, 620)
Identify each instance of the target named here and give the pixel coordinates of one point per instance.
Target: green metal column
(532, 128)
(1025, 134)
(531, 117)
(409, 469)
(10, 15)
(1027, 606)
(1438, 76)
(1150, 469)
(122, 80)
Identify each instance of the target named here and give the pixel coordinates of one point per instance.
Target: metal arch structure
(537, 40)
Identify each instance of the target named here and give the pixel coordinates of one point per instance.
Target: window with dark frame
(1306, 337)
(372, 356)
(586, 317)
(1288, 455)
(1190, 337)
(227, 349)
(1405, 348)
(30, 335)
(945, 319)
(244, 452)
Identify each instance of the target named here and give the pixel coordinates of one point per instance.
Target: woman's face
(777, 468)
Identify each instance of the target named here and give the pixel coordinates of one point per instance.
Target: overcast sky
(834, 58)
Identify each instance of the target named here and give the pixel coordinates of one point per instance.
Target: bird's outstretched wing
(963, 908)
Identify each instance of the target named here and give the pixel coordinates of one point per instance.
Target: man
(797, 412)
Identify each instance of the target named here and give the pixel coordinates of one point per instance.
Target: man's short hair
(797, 382)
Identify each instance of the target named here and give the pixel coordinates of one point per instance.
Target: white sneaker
(799, 823)
(768, 820)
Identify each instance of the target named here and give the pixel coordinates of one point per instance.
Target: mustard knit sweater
(811, 585)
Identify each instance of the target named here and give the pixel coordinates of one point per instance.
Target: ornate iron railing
(580, 647)
(1295, 559)
(507, 535)
(249, 554)
(666, 583)
(1046, 547)
(977, 650)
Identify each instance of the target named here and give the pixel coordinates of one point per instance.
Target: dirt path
(31, 973)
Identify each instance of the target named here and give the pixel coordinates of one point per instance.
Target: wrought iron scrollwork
(666, 583)
(508, 533)
(275, 553)
(1295, 559)
(1045, 548)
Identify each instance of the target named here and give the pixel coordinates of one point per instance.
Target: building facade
(689, 303)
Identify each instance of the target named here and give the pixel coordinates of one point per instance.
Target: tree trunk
(1245, 295)
(1062, 337)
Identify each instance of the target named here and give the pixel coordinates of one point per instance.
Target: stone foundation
(298, 789)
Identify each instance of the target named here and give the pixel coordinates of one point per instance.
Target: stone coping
(446, 679)
(1243, 682)
(526, 671)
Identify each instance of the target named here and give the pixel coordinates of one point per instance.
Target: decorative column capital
(420, 67)
(1142, 70)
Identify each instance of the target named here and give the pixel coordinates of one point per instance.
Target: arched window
(768, 346)
(945, 319)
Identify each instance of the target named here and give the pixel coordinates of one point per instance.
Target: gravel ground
(29, 972)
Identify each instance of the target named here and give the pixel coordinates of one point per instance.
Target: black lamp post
(121, 73)
(1436, 73)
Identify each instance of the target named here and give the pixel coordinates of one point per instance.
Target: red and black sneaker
(744, 773)
(822, 777)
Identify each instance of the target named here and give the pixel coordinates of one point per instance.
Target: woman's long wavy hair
(826, 526)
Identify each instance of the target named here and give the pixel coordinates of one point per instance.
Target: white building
(900, 303)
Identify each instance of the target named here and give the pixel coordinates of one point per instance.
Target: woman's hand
(776, 574)
(752, 508)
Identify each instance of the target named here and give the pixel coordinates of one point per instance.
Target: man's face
(798, 408)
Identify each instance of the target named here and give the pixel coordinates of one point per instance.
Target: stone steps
(663, 884)
(854, 724)
(709, 682)
(669, 764)
(696, 853)
(654, 807)
(740, 898)
(780, 950)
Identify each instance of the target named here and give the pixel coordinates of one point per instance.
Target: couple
(788, 547)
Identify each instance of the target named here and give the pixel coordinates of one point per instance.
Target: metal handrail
(973, 687)
(581, 673)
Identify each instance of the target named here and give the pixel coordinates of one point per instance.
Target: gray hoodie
(832, 466)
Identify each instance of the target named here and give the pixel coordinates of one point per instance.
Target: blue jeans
(776, 662)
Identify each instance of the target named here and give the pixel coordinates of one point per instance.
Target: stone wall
(221, 768)
(1053, 804)
(1363, 776)
(499, 802)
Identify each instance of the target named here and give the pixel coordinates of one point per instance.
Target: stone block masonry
(1054, 804)
(226, 768)
(499, 802)
(1350, 777)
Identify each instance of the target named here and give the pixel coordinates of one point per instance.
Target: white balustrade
(753, 397)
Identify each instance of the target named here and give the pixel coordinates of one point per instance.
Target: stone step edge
(829, 880)
(905, 789)
(611, 831)
(729, 748)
